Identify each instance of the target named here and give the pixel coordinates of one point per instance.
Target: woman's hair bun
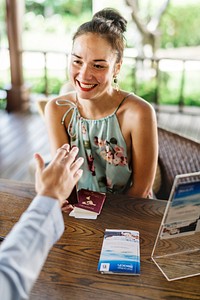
(111, 16)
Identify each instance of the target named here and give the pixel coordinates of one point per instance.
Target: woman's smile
(86, 87)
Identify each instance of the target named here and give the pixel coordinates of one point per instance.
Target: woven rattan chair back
(177, 155)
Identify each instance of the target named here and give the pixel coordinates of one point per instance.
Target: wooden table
(70, 271)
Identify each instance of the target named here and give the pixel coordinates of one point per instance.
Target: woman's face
(92, 66)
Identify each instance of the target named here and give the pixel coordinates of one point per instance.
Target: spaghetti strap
(122, 102)
(71, 105)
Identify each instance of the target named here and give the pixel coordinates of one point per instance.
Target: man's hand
(60, 176)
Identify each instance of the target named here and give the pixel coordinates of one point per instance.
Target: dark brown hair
(110, 25)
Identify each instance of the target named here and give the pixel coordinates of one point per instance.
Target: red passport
(89, 204)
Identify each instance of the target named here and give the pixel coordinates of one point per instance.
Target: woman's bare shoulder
(60, 101)
(136, 106)
(56, 107)
(71, 96)
(138, 116)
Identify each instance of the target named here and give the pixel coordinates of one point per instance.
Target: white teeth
(86, 86)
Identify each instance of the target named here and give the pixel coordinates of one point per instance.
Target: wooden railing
(156, 63)
(134, 63)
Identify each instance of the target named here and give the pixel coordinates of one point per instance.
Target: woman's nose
(85, 72)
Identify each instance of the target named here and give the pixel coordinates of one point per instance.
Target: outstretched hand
(60, 176)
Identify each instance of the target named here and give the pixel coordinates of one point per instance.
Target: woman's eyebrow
(95, 60)
(76, 55)
(104, 60)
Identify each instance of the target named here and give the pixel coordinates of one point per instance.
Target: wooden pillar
(17, 92)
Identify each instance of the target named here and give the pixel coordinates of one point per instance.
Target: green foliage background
(62, 7)
(180, 26)
(43, 20)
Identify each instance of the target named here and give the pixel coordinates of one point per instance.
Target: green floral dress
(103, 147)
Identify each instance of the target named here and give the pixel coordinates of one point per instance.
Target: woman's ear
(117, 68)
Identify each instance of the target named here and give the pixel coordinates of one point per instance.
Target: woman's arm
(144, 147)
(56, 130)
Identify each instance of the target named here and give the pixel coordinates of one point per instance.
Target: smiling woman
(110, 126)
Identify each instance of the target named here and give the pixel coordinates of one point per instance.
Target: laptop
(176, 251)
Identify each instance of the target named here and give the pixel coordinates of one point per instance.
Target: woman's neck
(99, 107)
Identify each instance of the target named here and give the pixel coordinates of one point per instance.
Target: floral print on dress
(111, 152)
(102, 155)
(84, 129)
(87, 147)
(91, 167)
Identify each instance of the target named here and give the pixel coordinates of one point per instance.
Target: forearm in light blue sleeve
(25, 249)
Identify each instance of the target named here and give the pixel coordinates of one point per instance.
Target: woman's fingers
(66, 207)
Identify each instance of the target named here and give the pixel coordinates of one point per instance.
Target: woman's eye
(99, 66)
(77, 62)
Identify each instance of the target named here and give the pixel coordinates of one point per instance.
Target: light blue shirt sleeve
(26, 247)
